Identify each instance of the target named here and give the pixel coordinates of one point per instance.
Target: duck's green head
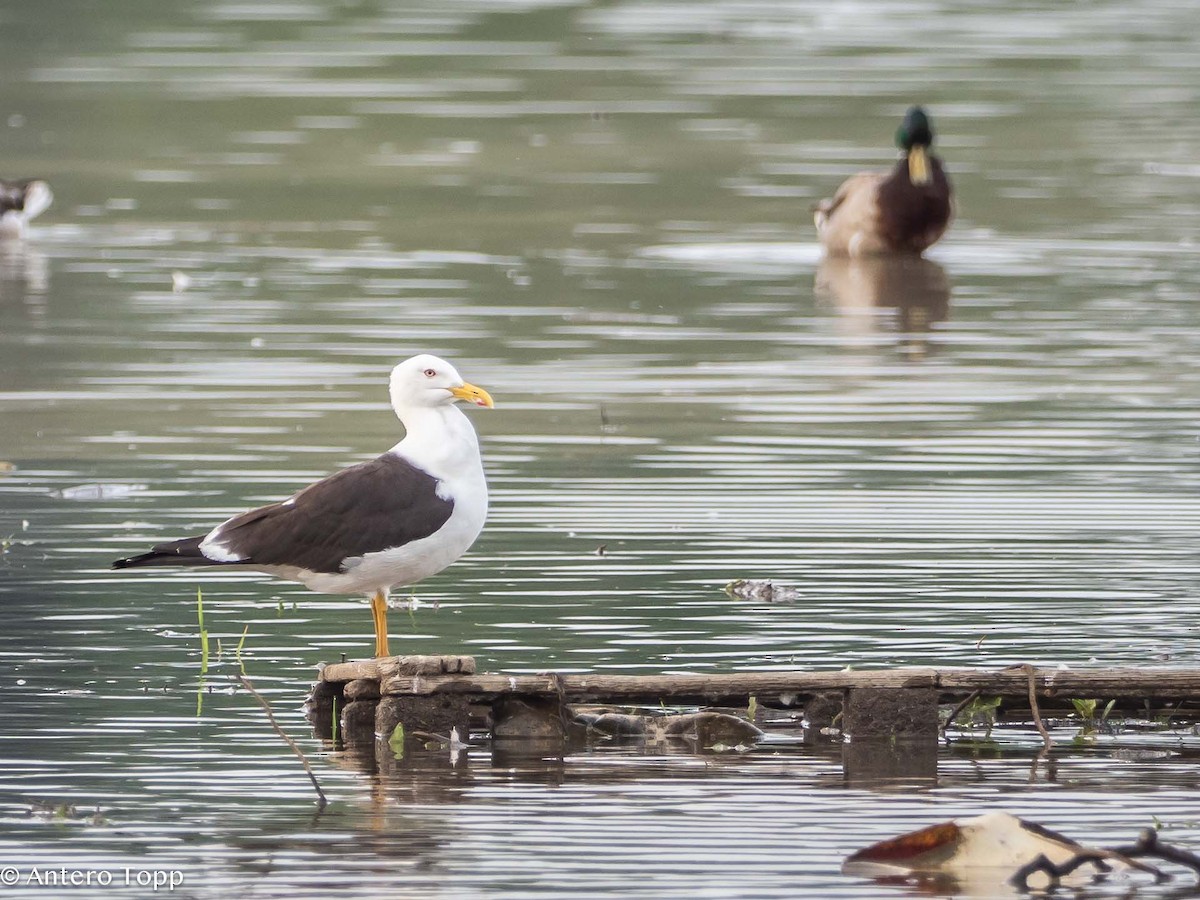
(915, 130)
(914, 136)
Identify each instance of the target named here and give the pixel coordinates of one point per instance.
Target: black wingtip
(156, 557)
(130, 562)
(185, 552)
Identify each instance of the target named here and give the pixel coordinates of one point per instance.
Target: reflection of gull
(21, 201)
(917, 288)
(904, 210)
(24, 276)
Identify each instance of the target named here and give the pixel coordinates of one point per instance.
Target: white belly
(401, 566)
(448, 451)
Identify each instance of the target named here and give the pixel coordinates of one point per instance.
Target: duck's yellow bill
(918, 165)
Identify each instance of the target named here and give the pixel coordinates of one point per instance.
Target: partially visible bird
(902, 211)
(982, 852)
(391, 521)
(21, 201)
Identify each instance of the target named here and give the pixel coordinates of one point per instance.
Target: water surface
(602, 215)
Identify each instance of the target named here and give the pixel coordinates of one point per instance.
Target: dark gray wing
(377, 505)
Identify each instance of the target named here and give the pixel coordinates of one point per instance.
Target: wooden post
(423, 713)
(353, 688)
(890, 712)
(422, 716)
(359, 698)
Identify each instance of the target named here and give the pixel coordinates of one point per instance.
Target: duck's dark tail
(184, 552)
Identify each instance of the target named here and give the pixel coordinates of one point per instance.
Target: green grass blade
(203, 633)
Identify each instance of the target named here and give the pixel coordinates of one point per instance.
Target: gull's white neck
(439, 439)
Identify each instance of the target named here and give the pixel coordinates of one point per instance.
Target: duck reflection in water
(918, 289)
(24, 279)
(23, 271)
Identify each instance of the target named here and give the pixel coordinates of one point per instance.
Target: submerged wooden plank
(385, 667)
(436, 693)
(350, 671)
(1105, 683)
(1121, 682)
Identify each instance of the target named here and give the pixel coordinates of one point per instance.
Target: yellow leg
(379, 612)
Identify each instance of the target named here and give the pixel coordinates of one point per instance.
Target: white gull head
(426, 381)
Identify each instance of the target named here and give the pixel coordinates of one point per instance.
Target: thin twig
(321, 800)
(1098, 858)
(1031, 673)
(1147, 846)
(974, 695)
(564, 713)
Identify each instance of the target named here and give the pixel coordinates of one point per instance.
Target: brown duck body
(885, 212)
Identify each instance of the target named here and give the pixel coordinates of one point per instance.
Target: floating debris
(98, 491)
(761, 591)
(995, 840)
(707, 729)
(998, 847)
(50, 811)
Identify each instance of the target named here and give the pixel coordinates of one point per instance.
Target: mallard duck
(901, 211)
(21, 201)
